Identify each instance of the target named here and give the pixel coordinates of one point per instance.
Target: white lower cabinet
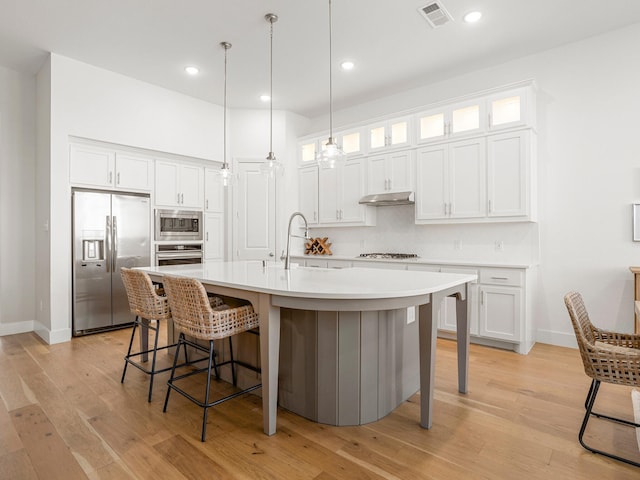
(499, 301)
(500, 312)
(501, 305)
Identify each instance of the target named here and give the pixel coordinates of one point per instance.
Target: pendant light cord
(226, 47)
(330, 78)
(272, 19)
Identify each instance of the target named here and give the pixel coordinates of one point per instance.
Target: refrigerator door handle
(114, 253)
(108, 242)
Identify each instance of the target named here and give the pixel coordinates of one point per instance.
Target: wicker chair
(607, 357)
(194, 316)
(148, 303)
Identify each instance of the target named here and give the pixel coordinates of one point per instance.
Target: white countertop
(319, 283)
(417, 261)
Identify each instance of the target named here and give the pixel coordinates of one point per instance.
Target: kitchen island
(269, 287)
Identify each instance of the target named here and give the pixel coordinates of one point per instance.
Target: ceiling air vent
(435, 14)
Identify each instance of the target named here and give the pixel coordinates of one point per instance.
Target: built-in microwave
(183, 225)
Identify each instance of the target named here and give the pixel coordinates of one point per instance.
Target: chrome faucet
(289, 235)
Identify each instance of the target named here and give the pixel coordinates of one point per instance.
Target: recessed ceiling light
(265, 98)
(472, 17)
(191, 70)
(347, 65)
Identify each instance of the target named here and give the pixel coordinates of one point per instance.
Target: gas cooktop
(389, 255)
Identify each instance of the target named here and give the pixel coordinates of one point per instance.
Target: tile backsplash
(396, 232)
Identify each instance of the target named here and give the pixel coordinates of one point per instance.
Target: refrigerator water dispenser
(93, 250)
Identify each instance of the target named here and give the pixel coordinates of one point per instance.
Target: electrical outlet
(411, 315)
(457, 244)
(499, 245)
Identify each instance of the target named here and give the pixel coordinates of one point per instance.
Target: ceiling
(392, 44)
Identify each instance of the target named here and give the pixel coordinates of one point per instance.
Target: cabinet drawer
(501, 276)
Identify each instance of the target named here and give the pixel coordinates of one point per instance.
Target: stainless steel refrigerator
(110, 230)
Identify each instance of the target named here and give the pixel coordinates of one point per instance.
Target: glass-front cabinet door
(450, 121)
(389, 134)
(511, 108)
(351, 141)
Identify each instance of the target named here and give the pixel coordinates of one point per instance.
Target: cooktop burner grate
(389, 255)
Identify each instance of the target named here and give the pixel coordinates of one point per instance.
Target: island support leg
(269, 357)
(427, 315)
(462, 337)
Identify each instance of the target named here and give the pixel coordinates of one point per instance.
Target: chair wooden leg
(590, 400)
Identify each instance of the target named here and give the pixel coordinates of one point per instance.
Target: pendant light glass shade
(225, 175)
(271, 166)
(331, 154)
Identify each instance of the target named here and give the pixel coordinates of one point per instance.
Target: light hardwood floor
(65, 414)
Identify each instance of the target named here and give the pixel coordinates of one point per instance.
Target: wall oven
(178, 225)
(178, 254)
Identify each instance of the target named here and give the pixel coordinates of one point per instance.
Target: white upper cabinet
(213, 191)
(308, 149)
(511, 108)
(451, 181)
(390, 134)
(340, 190)
(179, 185)
(308, 193)
(392, 172)
(510, 178)
(451, 121)
(101, 167)
(351, 141)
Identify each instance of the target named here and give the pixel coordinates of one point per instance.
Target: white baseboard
(52, 337)
(17, 327)
(560, 339)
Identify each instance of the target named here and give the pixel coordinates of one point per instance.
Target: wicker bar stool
(608, 357)
(194, 316)
(149, 304)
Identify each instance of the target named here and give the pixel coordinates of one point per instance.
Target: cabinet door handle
(337, 214)
(206, 204)
(118, 179)
(182, 198)
(315, 216)
(110, 177)
(178, 200)
(499, 278)
(207, 236)
(445, 208)
(490, 207)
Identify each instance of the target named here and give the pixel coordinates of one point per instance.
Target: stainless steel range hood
(386, 199)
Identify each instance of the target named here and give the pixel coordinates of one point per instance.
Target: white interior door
(254, 215)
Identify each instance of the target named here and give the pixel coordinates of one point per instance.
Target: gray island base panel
(353, 297)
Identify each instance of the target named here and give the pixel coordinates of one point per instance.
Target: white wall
(589, 175)
(17, 199)
(94, 103)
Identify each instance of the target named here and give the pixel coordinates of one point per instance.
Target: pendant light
(271, 166)
(331, 154)
(225, 175)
